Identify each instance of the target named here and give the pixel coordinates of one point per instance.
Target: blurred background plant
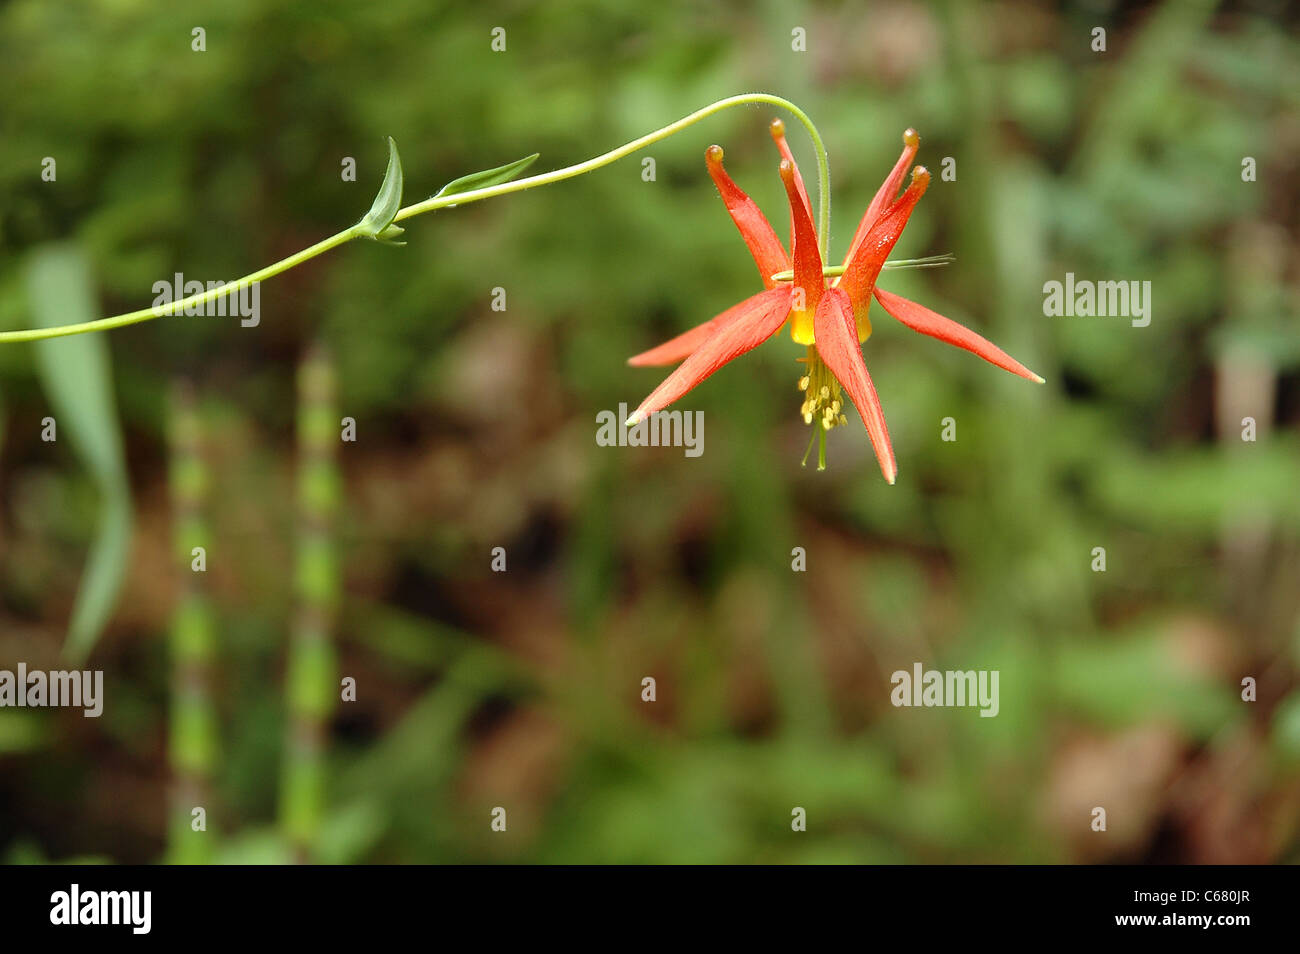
(475, 430)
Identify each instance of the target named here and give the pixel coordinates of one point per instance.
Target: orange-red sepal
(756, 320)
(675, 349)
(927, 322)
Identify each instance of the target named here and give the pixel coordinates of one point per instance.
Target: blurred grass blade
(488, 177)
(77, 378)
(377, 224)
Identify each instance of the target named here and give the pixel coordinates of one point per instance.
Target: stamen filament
(804, 462)
(823, 403)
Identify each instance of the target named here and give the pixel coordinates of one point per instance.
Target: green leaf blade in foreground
(488, 177)
(378, 224)
(77, 377)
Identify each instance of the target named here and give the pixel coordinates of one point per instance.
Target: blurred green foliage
(475, 429)
(76, 376)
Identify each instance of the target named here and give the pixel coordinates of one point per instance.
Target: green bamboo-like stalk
(192, 734)
(311, 683)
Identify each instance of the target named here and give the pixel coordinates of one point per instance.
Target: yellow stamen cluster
(823, 399)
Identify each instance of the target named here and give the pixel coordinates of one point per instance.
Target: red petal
(807, 258)
(769, 253)
(927, 322)
(757, 319)
(778, 136)
(674, 350)
(888, 189)
(863, 267)
(837, 343)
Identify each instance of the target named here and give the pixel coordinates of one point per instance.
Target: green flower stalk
(380, 222)
(312, 685)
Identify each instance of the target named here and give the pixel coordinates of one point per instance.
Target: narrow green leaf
(388, 200)
(77, 378)
(488, 177)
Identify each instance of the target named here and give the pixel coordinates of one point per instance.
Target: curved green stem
(178, 307)
(744, 99)
(463, 198)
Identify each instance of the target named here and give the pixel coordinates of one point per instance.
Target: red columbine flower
(830, 320)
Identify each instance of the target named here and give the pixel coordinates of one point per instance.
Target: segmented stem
(192, 732)
(312, 685)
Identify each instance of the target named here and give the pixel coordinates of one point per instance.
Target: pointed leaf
(389, 235)
(488, 177)
(387, 201)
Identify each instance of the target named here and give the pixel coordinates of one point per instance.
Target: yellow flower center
(801, 318)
